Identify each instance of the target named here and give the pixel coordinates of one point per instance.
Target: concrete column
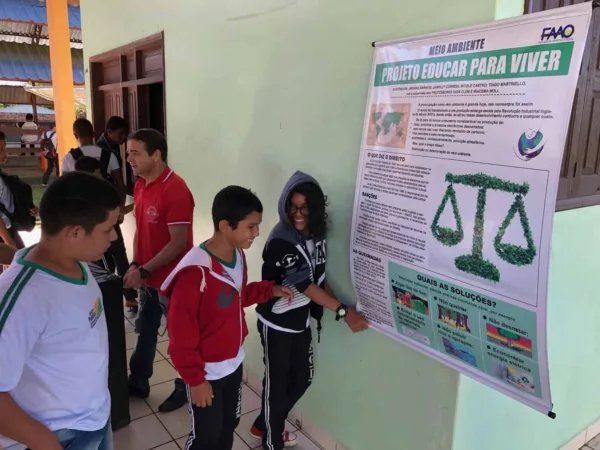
(62, 74)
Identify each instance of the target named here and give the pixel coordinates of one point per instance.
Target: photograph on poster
(509, 340)
(459, 351)
(388, 125)
(411, 301)
(453, 318)
(519, 379)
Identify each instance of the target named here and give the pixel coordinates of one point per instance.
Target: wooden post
(34, 107)
(62, 74)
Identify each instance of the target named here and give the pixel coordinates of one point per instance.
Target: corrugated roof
(34, 11)
(30, 62)
(24, 33)
(18, 95)
(46, 93)
(25, 109)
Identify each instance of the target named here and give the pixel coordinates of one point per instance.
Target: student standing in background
(111, 171)
(8, 233)
(49, 144)
(29, 139)
(111, 140)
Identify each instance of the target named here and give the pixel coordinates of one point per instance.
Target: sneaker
(256, 433)
(289, 439)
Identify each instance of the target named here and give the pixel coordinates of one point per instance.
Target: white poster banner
(456, 190)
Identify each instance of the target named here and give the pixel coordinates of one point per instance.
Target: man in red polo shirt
(164, 209)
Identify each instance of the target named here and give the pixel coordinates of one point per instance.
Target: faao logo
(530, 144)
(553, 33)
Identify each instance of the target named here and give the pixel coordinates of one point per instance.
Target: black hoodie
(289, 261)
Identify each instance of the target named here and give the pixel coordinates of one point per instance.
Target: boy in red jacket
(207, 292)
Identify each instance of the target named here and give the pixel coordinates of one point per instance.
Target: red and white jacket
(206, 320)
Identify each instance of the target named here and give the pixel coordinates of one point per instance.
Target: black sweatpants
(289, 369)
(213, 427)
(52, 165)
(119, 254)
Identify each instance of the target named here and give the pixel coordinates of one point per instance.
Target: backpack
(77, 153)
(21, 218)
(48, 148)
(129, 179)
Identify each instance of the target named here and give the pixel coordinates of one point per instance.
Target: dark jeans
(52, 163)
(141, 364)
(213, 427)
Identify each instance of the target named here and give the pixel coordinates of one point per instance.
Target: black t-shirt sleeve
(285, 264)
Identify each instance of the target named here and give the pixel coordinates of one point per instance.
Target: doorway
(129, 82)
(156, 107)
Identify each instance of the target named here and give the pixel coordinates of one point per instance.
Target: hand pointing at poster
(356, 321)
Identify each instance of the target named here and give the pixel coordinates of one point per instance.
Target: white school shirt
(29, 138)
(68, 163)
(53, 347)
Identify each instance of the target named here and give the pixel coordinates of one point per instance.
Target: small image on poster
(388, 125)
(411, 301)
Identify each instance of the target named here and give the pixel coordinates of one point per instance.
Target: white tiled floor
(152, 430)
(594, 444)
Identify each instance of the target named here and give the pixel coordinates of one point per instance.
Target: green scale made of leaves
(475, 263)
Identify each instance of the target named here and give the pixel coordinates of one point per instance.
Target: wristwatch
(341, 312)
(143, 272)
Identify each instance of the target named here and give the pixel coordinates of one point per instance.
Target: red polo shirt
(162, 203)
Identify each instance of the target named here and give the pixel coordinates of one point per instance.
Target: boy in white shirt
(53, 335)
(84, 133)
(29, 139)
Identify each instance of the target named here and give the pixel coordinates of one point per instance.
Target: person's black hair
(77, 199)
(316, 201)
(234, 204)
(52, 125)
(83, 128)
(153, 140)
(29, 117)
(116, 123)
(2, 136)
(87, 164)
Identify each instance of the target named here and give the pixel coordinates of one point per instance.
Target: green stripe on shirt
(11, 296)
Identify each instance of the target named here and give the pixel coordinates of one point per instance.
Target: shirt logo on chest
(320, 253)
(225, 298)
(95, 313)
(152, 214)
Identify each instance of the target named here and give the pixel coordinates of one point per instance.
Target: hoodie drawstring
(203, 283)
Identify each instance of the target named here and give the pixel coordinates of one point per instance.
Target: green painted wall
(488, 420)
(259, 88)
